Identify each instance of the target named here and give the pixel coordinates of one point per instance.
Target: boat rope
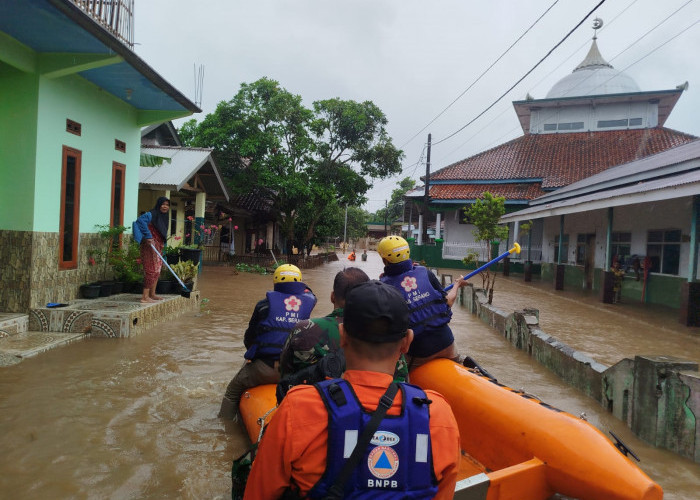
(261, 422)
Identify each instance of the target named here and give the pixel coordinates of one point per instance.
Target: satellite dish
(597, 23)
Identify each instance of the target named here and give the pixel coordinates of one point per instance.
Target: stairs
(118, 316)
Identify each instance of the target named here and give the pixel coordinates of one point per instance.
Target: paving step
(14, 348)
(13, 323)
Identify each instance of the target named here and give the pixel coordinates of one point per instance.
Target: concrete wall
(657, 396)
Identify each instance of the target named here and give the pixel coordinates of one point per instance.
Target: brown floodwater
(136, 418)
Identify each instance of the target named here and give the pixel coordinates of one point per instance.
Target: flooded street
(136, 418)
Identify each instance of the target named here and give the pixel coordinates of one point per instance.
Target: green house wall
(18, 121)
(103, 119)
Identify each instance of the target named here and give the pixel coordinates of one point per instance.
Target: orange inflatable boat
(514, 446)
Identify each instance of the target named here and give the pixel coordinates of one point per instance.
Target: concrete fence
(658, 397)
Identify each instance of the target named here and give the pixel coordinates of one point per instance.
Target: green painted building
(73, 100)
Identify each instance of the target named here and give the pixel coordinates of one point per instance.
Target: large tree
(303, 160)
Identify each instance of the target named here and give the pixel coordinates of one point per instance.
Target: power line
(524, 76)
(507, 108)
(480, 76)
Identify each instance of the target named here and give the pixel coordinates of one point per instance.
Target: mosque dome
(594, 76)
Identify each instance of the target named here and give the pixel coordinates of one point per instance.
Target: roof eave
(75, 14)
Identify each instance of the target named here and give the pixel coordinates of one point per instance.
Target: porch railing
(116, 16)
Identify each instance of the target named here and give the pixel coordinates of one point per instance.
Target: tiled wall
(29, 274)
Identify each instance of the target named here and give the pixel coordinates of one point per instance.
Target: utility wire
(506, 108)
(480, 76)
(524, 76)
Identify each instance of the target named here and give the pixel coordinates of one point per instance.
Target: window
(70, 209)
(565, 248)
(117, 210)
(549, 127)
(73, 127)
(571, 126)
(664, 250)
(584, 243)
(120, 145)
(635, 122)
(621, 247)
(612, 123)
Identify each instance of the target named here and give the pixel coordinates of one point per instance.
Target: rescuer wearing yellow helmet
(273, 319)
(429, 305)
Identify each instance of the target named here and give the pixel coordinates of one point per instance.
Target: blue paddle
(516, 249)
(186, 292)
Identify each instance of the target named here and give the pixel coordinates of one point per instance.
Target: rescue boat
(514, 446)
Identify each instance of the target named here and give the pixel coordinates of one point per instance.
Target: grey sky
(412, 58)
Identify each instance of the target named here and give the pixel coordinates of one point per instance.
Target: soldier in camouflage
(314, 339)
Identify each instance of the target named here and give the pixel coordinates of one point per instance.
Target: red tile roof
(560, 159)
(474, 191)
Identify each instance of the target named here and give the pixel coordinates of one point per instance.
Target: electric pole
(426, 197)
(386, 209)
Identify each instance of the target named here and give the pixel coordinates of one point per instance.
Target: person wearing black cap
(151, 228)
(308, 446)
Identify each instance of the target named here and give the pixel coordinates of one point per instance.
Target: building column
(438, 233)
(200, 203)
(560, 268)
(607, 293)
(690, 291)
(420, 229)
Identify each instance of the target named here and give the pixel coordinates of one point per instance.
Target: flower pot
(90, 291)
(105, 288)
(172, 259)
(193, 254)
(165, 286)
(117, 287)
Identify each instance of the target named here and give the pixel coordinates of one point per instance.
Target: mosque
(591, 120)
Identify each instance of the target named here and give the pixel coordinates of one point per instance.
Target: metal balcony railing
(116, 16)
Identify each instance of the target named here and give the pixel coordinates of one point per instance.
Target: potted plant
(199, 236)
(111, 236)
(126, 264)
(187, 271)
(90, 290)
(166, 282)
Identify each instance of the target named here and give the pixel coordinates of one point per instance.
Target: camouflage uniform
(312, 339)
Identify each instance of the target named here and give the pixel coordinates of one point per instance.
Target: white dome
(594, 76)
(593, 81)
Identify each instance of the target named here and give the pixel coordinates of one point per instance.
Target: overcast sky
(413, 58)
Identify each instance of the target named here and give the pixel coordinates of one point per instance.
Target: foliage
(126, 263)
(484, 214)
(395, 206)
(186, 270)
(250, 268)
(200, 235)
(111, 235)
(297, 158)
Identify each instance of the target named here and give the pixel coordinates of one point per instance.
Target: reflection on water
(136, 418)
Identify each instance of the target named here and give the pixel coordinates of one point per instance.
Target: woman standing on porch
(151, 228)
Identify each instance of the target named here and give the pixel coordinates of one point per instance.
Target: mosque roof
(548, 161)
(593, 76)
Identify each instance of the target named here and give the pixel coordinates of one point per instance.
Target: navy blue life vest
(289, 304)
(428, 306)
(397, 464)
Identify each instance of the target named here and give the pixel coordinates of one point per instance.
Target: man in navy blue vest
(414, 451)
(430, 306)
(273, 319)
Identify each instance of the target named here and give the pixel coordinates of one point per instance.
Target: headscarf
(160, 220)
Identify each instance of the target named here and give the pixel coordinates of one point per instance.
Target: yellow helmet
(394, 249)
(286, 273)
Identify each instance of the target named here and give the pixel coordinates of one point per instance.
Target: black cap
(375, 312)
